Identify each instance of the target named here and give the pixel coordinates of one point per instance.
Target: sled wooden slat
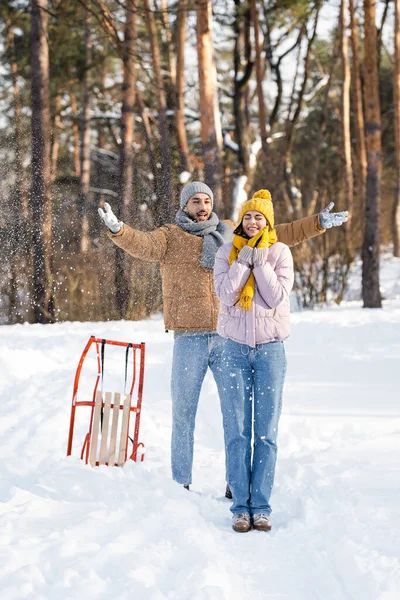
(95, 428)
(124, 431)
(104, 429)
(114, 429)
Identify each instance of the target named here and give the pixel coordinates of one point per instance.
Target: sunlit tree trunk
(183, 146)
(122, 281)
(40, 201)
(75, 135)
(19, 237)
(210, 121)
(169, 45)
(85, 139)
(56, 136)
(292, 185)
(103, 106)
(396, 204)
(371, 252)
(262, 112)
(21, 185)
(128, 104)
(147, 133)
(242, 56)
(165, 198)
(311, 191)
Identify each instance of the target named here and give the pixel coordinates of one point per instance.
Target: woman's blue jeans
(192, 356)
(251, 401)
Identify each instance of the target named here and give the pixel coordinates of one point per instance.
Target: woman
(253, 278)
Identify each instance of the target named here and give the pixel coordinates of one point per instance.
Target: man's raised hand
(328, 219)
(109, 218)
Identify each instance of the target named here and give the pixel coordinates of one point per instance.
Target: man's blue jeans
(192, 356)
(251, 398)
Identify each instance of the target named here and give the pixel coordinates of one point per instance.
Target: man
(186, 253)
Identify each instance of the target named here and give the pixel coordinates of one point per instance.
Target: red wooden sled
(107, 441)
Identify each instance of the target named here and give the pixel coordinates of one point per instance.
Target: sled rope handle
(126, 365)
(103, 343)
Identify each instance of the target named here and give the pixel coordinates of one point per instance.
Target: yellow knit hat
(261, 202)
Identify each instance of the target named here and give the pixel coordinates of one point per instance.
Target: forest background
(125, 101)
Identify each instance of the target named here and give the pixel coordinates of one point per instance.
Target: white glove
(328, 220)
(245, 256)
(109, 218)
(260, 256)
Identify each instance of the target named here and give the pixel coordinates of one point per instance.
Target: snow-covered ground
(69, 531)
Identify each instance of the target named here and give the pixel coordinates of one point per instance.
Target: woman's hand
(245, 256)
(260, 256)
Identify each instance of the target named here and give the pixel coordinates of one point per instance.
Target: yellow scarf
(264, 239)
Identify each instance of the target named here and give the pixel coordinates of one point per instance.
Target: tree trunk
(19, 234)
(40, 200)
(128, 104)
(168, 40)
(242, 53)
(103, 106)
(210, 122)
(149, 140)
(371, 252)
(262, 112)
(396, 204)
(75, 133)
(85, 139)
(347, 180)
(292, 185)
(56, 137)
(361, 151)
(183, 147)
(122, 275)
(165, 199)
(21, 185)
(311, 192)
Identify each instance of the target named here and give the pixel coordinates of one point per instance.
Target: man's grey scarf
(214, 232)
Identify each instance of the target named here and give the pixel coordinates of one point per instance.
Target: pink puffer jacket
(268, 320)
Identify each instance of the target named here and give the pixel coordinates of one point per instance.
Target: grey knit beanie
(194, 188)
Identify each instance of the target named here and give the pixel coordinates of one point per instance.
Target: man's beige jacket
(190, 303)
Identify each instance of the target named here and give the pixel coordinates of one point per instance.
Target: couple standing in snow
(252, 270)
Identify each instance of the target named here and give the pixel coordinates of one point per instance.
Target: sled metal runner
(113, 421)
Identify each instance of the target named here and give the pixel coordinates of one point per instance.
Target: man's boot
(228, 493)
